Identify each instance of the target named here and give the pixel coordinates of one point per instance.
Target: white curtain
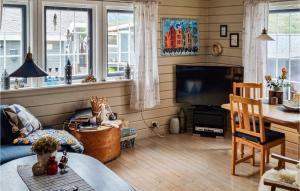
(254, 51)
(1, 12)
(145, 89)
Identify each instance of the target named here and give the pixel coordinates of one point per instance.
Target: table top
(91, 170)
(277, 114)
(99, 128)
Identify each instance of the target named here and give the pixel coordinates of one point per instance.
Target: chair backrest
(248, 90)
(248, 110)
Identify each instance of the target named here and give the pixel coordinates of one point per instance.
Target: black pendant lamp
(29, 68)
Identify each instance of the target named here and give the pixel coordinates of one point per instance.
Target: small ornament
(5, 81)
(68, 72)
(52, 166)
(17, 85)
(38, 169)
(127, 71)
(89, 78)
(63, 163)
(55, 21)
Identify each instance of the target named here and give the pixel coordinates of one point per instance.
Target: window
(12, 38)
(120, 44)
(284, 27)
(68, 34)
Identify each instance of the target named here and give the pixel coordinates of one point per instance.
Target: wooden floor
(184, 162)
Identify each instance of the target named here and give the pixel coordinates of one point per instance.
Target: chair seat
(267, 124)
(270, 136)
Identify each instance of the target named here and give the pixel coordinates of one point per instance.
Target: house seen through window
(68, 35)
(120, 44)
(12, 38)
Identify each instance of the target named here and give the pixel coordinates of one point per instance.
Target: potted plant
(45, 147)
(276, 86)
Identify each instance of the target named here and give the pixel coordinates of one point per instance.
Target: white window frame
(277, 72)
(99, 23)
(110, 6)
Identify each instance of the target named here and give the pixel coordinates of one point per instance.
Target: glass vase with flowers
(276, 86)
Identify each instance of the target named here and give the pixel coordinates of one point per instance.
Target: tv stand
(209, 121)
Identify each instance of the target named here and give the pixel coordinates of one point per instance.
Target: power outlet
(154, 124)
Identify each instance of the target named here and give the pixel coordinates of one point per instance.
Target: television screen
(206, 85)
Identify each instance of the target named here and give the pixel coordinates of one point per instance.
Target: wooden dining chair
(248, 90)
(254, 135)
(253, 91)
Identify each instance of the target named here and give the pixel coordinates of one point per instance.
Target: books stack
(82, 116)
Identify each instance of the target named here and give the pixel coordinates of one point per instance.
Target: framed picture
(223, 30)
(179, 37)
(234, 40)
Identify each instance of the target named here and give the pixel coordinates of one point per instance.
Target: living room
(143, 87)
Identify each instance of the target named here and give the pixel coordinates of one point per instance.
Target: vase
(276, 92)
(43, 158)
(174, 126)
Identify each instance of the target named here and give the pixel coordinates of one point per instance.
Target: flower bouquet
(45, 147)
(276, 86)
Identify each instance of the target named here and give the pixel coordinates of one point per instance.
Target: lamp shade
(28, 69)
(264, 36)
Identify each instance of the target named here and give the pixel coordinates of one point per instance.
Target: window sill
(64, 87)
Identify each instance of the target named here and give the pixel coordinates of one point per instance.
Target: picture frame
(179, 37)
(234, 40)
(223, 30)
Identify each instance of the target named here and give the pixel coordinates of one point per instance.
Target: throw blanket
(63, 137)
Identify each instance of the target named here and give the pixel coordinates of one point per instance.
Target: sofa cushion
(11, 152)
(21, 120)
(6, 134)
(64, 138)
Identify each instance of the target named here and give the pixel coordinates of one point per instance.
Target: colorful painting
(179, 37)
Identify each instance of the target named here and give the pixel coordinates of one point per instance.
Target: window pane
(271, 67)
(283, 46)
(272, 23)
(295, 46)
(120, 41)
(295, 70)
(295, 23)
(272, 47)
(67, 37)
(11, 39)
(283, 23)
(124, 42)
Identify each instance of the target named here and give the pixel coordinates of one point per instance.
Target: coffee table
(91, 170)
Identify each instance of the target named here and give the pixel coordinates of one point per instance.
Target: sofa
(9, 151)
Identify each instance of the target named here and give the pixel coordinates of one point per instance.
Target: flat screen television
(205, 85)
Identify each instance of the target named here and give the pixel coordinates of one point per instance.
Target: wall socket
(154, 124)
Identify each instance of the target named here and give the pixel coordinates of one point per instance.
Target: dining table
(281, 120)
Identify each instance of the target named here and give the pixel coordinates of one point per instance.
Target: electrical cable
(152, 129)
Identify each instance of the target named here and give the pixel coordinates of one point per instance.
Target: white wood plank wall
(53, 106)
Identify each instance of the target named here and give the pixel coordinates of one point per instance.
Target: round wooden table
(91, 170)
(102, 144)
